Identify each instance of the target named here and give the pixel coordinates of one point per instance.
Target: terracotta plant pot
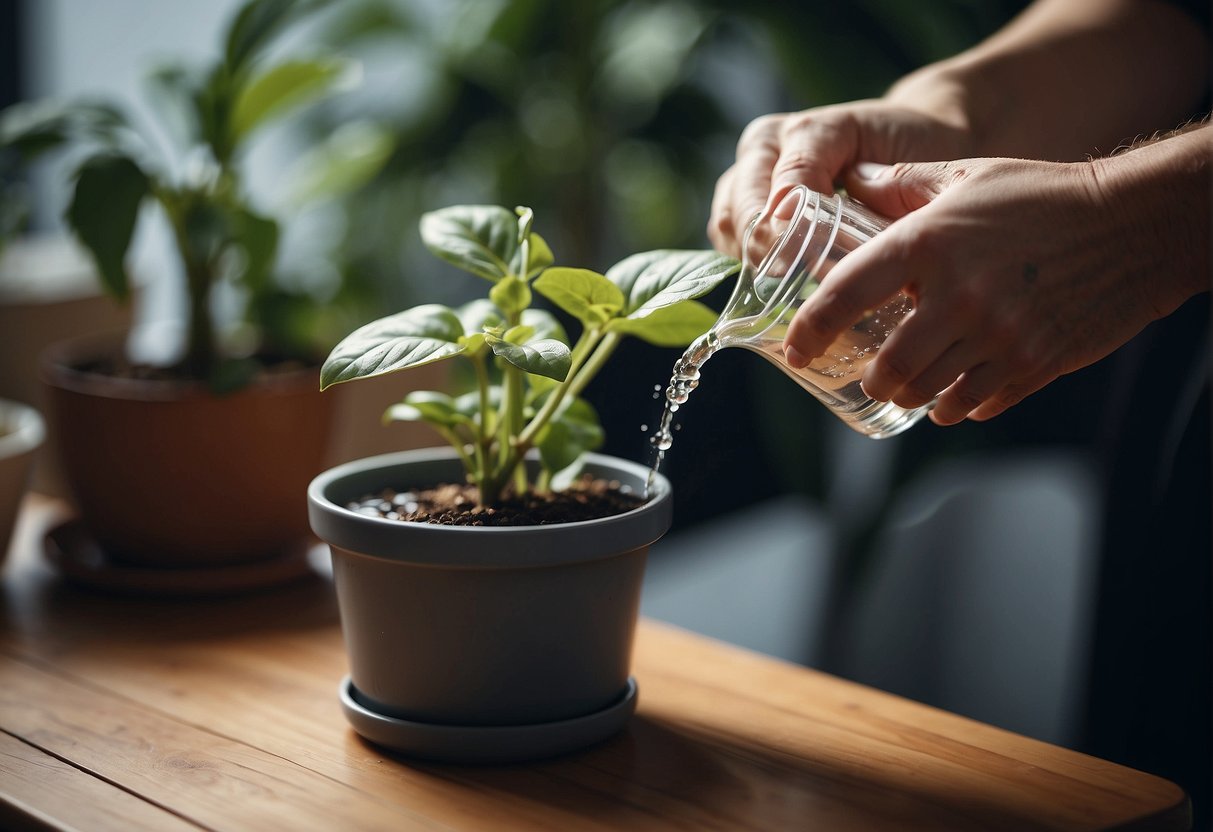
(478, 644)
(49, 292)
(167, 474)
(21, 434)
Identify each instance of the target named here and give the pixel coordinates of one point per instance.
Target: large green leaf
(481, 239)
(417, 336)
(280, 89)
(570, 435)
(587, 296)
(33, 128)
(103, 212)
(653, 279)
(668, 326)
(547, 357)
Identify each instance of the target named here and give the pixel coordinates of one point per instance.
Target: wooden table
(127, 714)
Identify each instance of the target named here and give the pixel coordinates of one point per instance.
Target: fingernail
(871, 170)
(794, 358)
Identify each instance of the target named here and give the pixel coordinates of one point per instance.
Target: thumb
(896, 190)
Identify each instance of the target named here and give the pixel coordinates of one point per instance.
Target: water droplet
(644, 428)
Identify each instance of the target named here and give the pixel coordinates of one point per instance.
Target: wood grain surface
(130, 713)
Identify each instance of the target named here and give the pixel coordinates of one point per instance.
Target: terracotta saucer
(70, 549)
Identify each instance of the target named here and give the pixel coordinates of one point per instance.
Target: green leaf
(653, 279)
(519, 334)
(545, 324)
(469, 403)
(540, 258)
(427, 406)
(481, 239)
(417, 336)
(570, 435)
(212, 107)
(279, 90)
(345, 161)
(511, 294)
(668, 326)
(547, 357)
(584, 294)
(175, 92)
(478, 314)
(36, 127)
(255, 25)
(103, 212)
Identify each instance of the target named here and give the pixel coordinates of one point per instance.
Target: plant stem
(484, 430)
(581, 352)
(200, 350)
(590, 369)
(200, 344)
(511, 421)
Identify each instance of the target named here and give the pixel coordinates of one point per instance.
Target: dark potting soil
(455, 505)
(120, 367)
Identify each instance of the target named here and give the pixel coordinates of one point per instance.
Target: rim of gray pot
(477, 546)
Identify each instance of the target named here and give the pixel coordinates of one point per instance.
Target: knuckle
(795, 162)
(761, 131)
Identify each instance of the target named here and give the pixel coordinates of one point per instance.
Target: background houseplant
(490, 642)
(219, 236)
(200, 462)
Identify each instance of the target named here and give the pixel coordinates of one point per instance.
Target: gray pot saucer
(486, 744)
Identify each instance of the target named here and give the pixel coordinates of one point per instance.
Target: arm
(1069, 78)
(1066, 78)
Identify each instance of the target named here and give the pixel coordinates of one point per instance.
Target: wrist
(1159, 194)
(939, 92)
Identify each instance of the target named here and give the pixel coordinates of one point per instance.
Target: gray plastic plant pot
(470, 627)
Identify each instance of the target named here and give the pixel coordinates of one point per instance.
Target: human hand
(1019, 272)
(816, 146)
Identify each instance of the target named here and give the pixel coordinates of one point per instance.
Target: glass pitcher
(800, 241)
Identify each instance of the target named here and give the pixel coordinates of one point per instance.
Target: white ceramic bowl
(21, 433)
